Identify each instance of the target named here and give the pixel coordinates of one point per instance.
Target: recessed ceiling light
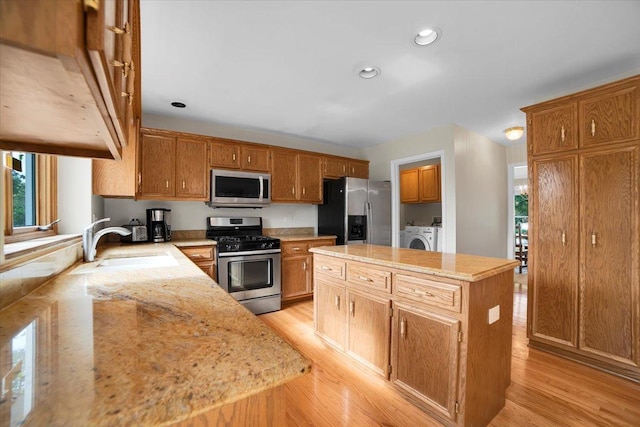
(426, 36)
(369, 72)
(179, 104)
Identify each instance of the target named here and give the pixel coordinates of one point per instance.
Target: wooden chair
(522, 245)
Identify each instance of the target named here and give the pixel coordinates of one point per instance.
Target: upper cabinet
(82, 93)
(604, 116)
(337, 167)
(296, 177)
(420, 185)
(230, 154)
(358, 168)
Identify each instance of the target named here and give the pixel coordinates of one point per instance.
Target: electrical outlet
(494, 314)
(288, 219)
(437, 219)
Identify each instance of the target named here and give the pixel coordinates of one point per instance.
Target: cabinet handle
(295, 249)
(233, 157)
(352, 306)
(196, 256)
(183, 185)
(93, 5)
(248, 159)
(304, 191)
(324, 267)
(593, 127)
(353, 171)
(403, 328)
(421, 292)
(366, 279)
(563, 238)
(562, 134)
(139, 181)
(166, 183)
(337, 302)
(593, 240)
(304, 265)
(344, 168)
(293, 190)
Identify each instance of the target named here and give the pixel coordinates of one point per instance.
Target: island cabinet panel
(429, 292)
(584, 243)
(368, 330)
(425, 357)
(330, 309)
(555, 309)
(369, 278)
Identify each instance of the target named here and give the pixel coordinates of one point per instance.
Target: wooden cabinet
(297, 267)
(296, 177)
(172, 167)
(72, 93)
(555, 128)
(429, 335)
(230, 154)
(433, 376)
(337, 167)
(118, 178)
(368, 330)
(584, 244)
(358, 169)
(420, 185)
(203, 256)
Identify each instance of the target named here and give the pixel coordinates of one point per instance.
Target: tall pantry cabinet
(584, 238)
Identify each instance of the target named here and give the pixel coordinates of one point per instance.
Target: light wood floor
(545, 390)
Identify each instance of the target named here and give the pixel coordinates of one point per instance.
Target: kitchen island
(145, 338)
(437, 325)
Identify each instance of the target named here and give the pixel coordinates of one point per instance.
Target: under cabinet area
(429, 334)
(297, 267)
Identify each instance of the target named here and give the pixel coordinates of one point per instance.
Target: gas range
(239, 234)
(244, 243)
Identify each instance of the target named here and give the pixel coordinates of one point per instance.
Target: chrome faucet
(90, 241)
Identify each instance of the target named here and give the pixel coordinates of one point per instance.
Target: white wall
(75, 202)
(438, 139)
(517, 153)
(481, 195)
(280, 140)
(193, 215)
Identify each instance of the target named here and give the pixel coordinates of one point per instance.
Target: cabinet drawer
(329, 267)
(429, 292)
(202, 253)
(365, 275)
(295, 248)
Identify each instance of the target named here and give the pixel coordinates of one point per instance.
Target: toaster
(138, 233)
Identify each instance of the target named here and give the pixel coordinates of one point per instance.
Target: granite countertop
(143, 346)
(470, 268)
(294, 238)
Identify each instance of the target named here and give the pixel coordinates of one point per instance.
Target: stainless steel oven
(248, 263)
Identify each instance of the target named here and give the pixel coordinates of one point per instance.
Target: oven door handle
(244, 253)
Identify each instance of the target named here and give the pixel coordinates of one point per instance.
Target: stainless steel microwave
(239, 189)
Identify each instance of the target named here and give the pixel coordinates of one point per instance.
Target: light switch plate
(494, 314)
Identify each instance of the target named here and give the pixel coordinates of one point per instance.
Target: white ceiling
(292, 67)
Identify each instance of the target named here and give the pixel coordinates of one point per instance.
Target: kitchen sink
(123, 263)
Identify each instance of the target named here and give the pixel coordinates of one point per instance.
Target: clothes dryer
(422, 238)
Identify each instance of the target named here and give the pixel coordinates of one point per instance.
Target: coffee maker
(159, 224)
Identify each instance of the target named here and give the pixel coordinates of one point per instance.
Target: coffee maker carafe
(159, 224)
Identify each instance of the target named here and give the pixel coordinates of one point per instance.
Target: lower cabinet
(203, 256)
(297, 267)
(330, 312)
(433, 375)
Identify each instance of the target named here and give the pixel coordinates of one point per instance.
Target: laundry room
(421, 205)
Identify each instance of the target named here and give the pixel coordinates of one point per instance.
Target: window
(30, 183)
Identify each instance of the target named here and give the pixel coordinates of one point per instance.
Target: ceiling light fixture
(369, 72)
(179, 104)
(426, 36)
(514, 133)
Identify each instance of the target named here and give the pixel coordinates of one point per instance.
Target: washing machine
(423, 238)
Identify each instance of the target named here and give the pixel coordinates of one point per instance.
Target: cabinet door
(409, 187)
(334, 167)
(609, 117)
(358, 169)
(609, 286)
(117, 178)
(369, 331)
(433, 376)
(224, 155)
(296, 276)
(430, 183)
(108, 39)
(553, 250)
(157, 165)
(310, 178)
(284, 172)
(330, 307)
(191, 168)
(555, 129)
(255, 158)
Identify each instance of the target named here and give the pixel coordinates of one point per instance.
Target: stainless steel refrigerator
(356, 211)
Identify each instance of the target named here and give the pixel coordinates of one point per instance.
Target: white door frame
(511, 208)
(395, 191)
